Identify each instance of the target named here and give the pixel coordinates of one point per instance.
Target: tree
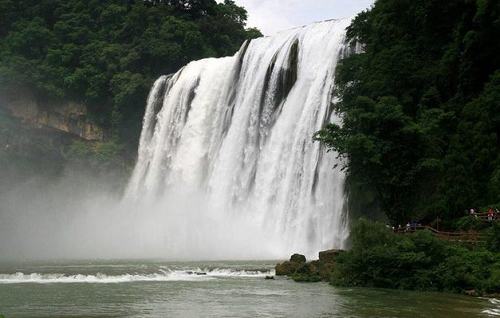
(420, 107)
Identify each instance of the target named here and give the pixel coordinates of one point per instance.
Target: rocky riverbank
(300, 270)
(380, 258)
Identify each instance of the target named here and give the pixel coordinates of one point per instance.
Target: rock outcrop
(301, 271)
(68, 117)
(289, 267)
(329, 256)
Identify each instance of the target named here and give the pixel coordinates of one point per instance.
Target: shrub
(493, 240)
(468, 222)
(419, 261)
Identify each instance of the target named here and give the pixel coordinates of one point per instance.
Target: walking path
(471, 237)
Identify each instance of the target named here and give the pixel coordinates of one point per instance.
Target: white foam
(94, 279)
(237, 273)
(99, 278)
(493, 311)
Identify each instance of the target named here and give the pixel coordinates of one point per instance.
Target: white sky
(271, 16)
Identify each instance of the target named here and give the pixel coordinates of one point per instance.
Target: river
(205, 289)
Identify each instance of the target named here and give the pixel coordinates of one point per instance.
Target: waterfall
(227, 145)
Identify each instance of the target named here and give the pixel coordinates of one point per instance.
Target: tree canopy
(107, 53)
(421, 108)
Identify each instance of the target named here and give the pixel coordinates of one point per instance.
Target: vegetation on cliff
(418, 261)
(106, 54)
(421, 132)
(379, 257)
(421, 109)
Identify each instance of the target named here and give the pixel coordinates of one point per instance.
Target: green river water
(209, 289)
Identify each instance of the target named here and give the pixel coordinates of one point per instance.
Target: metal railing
(472, 237)
(484, 217)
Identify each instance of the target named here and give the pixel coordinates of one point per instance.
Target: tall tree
(420, 108)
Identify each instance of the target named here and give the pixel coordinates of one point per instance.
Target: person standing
(491, 214)
(473, 213)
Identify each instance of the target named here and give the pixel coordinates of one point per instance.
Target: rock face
(69, 117)
(301, 271)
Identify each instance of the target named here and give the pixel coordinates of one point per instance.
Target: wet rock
(329, 256)
(327, 261)
(298, 258)
(301, 271)
(269, 277)
(286, 268)
(289, 267)
(307, 272)
(325, 271)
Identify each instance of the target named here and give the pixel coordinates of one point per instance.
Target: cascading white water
(231, 138)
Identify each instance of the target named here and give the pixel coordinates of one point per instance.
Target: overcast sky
(271, 16)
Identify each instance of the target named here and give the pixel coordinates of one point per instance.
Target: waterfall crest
(232, 138)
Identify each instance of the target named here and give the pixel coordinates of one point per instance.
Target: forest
(107, 54)
(421, 110)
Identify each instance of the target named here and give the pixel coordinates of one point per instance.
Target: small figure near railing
(473, 213)
(491, 214)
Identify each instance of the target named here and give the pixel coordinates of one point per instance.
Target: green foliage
(107, 53)
(380, 258)
(306, 278)
(494, 238)
(469, 222)
(421, 107)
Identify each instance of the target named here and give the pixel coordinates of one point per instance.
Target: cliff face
(68, 117)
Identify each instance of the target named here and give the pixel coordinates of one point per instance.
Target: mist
(82, 217)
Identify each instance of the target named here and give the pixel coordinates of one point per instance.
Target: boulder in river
(301, 271)
(329, 256)
(327, 261)
(289, 267)
(298, 258)
(307, 272)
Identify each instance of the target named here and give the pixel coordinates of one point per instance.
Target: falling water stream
(233, 137)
